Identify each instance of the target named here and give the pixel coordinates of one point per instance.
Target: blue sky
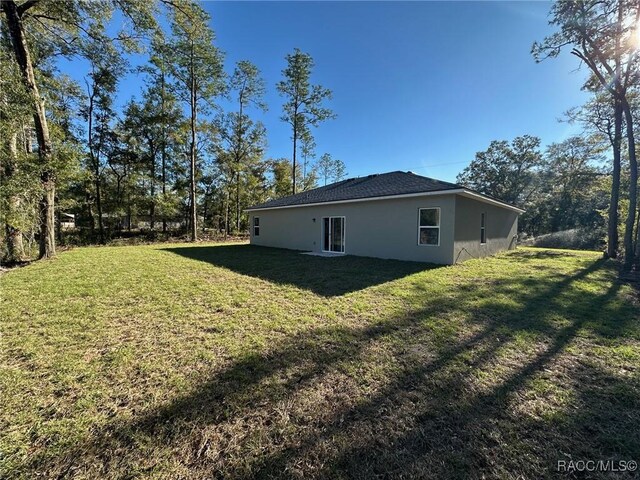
(417, 86)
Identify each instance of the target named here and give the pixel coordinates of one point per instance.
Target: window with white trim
(429, 226)
(483, 229)
(256, 226)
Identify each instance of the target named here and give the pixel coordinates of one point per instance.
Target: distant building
(67, 221)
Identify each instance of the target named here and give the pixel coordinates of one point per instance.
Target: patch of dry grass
(232, 361)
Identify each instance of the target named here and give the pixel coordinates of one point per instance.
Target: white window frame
(254, 226)
(344, 234)
(483, 228)
(421, 227)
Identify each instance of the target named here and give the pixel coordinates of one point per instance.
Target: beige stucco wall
(501, 229)
(389, 228)
(380, 228)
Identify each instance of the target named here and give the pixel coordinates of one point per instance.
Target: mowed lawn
(233, 361)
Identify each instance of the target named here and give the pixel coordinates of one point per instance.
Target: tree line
(563, 187)
(171, 159)
(590, 180)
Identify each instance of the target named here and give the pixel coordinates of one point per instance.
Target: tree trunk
(164, 191)
(95, 164)
(295, 139)
(47, 178)
(238, 159)
(304, 172)
(226, 216)
(637, 245)
(204, 214)
(96, 172)
(238, 201)
(47, 216)
(164, 161)
(59, 228)
(92, 220)
(192, 180)
(633, 187)
(152, 187)
(192, 163)
(15, 245)
(612, 229)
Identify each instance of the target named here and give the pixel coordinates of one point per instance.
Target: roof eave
(352, 200)
(493, 201)
(452, 191)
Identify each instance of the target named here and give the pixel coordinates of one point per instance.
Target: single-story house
(397, 215)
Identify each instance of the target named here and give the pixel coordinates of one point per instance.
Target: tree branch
(23, 7)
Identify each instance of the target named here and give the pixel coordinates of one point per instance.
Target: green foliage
(240, 152)
(308, 172)
(564, 189)
(164, 122)
(600, 32)
(572, 190)
(281, 170)
(21, 188)
(19, 179)
(247, 85)
(68, 28)
(194, 62)
(151, 142)
(330, 169)
(20, 191)
(603, 35)
(303, 101)
(505, 171)
(303, 107)
(73, 28)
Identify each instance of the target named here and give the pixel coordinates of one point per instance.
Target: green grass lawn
(232, 361)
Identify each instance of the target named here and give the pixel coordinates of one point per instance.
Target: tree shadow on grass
(304, 407)
(437, 421)
(329, 277)
(484, 429)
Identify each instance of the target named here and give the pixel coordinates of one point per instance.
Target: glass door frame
(331, 219)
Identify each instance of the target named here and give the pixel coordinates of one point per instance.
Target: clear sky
(417, 86)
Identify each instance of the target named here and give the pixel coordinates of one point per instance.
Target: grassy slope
(241, 362)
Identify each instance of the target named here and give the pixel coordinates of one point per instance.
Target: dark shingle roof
(379, 185)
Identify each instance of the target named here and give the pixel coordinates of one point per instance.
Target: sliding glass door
(333, 234)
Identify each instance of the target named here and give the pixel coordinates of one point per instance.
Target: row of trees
(591, 178)
(561, 188)
(171, 156)
(604, 36)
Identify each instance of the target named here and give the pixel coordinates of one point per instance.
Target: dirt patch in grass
(242, 362)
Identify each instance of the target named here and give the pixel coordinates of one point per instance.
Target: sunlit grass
(234, 361)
